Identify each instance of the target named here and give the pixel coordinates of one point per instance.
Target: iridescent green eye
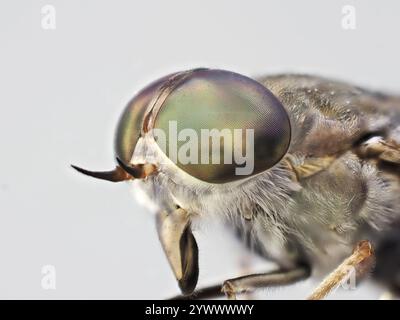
(219, 126)
(215, 125)
(130, 123)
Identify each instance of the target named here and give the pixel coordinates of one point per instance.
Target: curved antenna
(122, 172)
(116, 175)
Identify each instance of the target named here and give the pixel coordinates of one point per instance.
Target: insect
(305, 169)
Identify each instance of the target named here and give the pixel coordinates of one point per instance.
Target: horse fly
(305, 169)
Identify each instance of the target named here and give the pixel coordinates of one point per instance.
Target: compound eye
(219, 126)
(130, 123)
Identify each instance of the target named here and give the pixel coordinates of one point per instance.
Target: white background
(62, 92)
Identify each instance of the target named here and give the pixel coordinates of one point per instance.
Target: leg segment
(250, 282)
(361, 262)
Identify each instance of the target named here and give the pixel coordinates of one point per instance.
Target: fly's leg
(247, 283)
(251, 282)
(361, 262)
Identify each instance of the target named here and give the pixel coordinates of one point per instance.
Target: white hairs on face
(314, 214)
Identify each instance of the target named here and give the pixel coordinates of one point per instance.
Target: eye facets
(220, 126)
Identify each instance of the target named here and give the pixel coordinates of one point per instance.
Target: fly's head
(200, 128)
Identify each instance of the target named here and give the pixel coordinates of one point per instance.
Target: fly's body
(333, 179)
